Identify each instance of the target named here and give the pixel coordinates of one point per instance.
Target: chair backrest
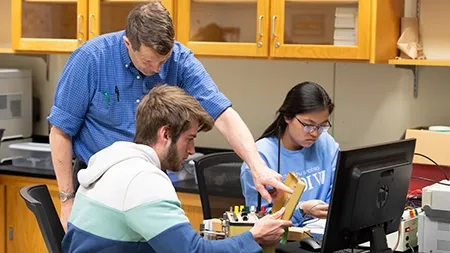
(39, 201)
(218, 174)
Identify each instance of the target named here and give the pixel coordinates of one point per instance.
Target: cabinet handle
(79, 17)
(273, 26)
(90, 24)
(10, 233)
(259, 25)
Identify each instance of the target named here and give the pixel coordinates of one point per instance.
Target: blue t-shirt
(314, 165)
(100, 89)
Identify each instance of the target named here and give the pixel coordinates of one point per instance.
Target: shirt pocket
(103, 109)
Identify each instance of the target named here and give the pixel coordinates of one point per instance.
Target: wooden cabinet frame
(88, 23)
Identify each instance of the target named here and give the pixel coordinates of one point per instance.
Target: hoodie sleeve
(153, 210)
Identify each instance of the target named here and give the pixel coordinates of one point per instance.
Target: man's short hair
(168, 106)
(151, 25)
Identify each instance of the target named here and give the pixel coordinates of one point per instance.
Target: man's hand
(315, 208)
(264, 177)
(269, 229)
(230, 124)
(66, 209)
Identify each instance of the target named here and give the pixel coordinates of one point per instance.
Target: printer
(15, 109)
(434, 221)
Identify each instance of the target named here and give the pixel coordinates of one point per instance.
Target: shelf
(124, 1)
(297, 1)
(52, 1)
(6, 50)
(325, 1)
(225, 1)
(420, 62)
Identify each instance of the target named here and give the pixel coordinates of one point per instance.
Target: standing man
(104, 81)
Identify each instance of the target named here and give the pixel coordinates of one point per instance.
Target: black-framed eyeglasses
(310, 128)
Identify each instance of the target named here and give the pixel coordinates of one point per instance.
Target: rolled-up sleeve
(199, 84)
(73, 93)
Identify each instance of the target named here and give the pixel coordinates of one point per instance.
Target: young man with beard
(126, 203)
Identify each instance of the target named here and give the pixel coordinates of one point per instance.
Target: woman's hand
(316, 208)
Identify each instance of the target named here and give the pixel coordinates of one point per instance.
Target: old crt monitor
(368, 196)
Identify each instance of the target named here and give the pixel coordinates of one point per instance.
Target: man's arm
(72, 98)
(152, 209)
(61, 150)
(198, 83)
(241, 140)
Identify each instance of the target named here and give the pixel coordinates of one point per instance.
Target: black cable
(443, 171)
(279, 148)
(429, 180)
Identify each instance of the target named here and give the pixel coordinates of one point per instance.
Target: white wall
(374, 103)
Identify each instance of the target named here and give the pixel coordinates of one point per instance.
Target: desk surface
(290, 247)
(294, 247)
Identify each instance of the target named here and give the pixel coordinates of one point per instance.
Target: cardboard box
(433, 144)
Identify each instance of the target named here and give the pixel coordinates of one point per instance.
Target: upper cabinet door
(107, 16)
(48, 25)
(224, 27)
(322, 29)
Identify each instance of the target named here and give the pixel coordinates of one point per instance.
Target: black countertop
(187, 186)
(8, 169)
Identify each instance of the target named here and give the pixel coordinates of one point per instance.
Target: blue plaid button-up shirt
(100, 89)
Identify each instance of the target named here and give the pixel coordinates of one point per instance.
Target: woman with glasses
(305, 148)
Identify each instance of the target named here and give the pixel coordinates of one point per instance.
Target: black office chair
(218, 176)
(38, 200)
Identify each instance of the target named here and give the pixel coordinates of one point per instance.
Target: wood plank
(52, 1)
(225, 1)
(6, 50)
(385, 30)
(421, 62)
(297, 1)
(3, 228)
(325, 1)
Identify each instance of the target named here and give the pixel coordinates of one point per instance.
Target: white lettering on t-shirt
(314, 180)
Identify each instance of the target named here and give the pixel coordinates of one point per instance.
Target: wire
(398, 237)
(412, 249)
(311, 221)
(429, 180)
(443, 171)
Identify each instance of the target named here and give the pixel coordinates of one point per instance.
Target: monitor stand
(378, 242)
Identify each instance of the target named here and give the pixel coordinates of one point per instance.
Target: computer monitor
(368, 197)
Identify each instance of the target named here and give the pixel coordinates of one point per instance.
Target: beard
(171, 160)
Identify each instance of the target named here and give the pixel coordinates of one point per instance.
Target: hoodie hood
(118, 152)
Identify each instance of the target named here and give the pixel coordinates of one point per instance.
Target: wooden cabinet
(224, 27)
(5, 27)
(21, 231)
(192, 207)
(320, 29)
(63, 25)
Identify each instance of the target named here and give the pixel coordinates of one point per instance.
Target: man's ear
(164, 134)
(127, 42)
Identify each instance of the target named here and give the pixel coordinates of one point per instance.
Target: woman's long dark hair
(304, 97)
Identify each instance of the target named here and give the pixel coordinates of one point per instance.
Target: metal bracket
(415, 72)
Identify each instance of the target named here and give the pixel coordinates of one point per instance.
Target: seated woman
(306, 149)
